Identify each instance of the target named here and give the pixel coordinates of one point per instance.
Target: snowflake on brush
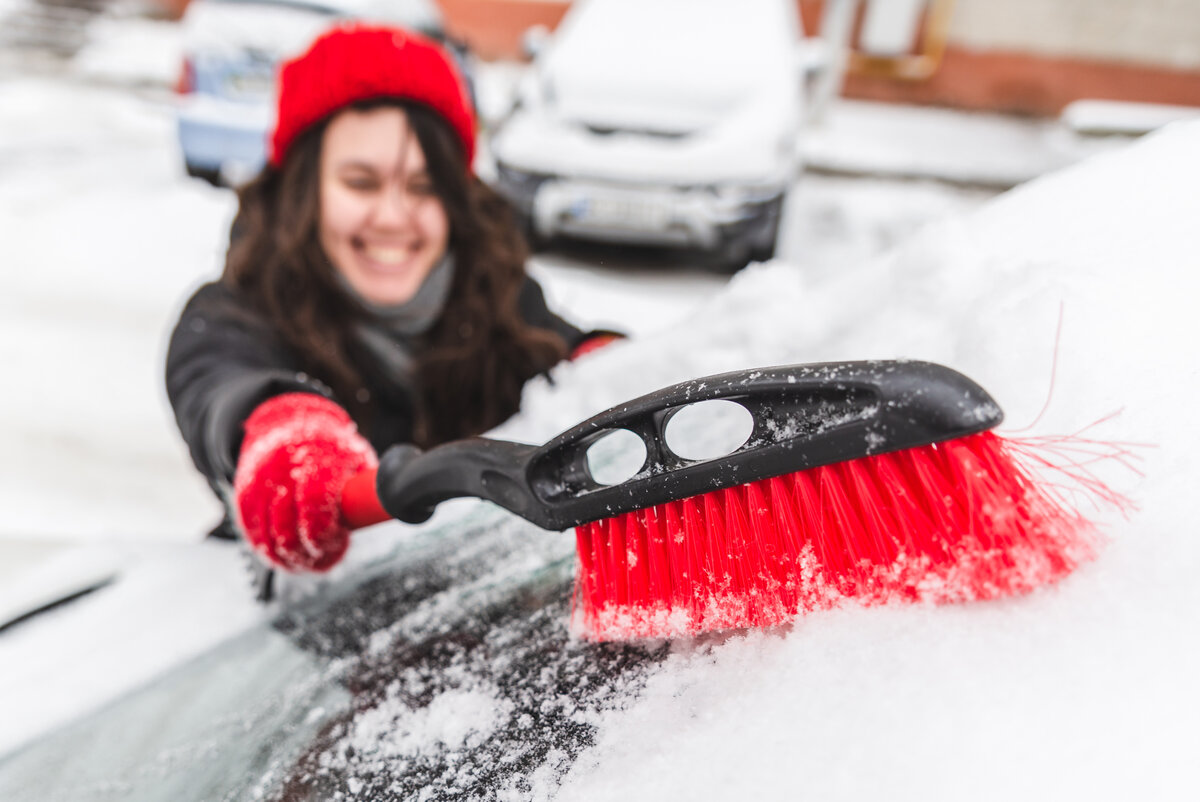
(299, 451)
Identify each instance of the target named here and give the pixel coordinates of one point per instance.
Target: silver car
(231, 52)
(639, 124)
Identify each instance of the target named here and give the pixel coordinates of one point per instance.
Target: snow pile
(1098, 243)
(103, 237)
(988, 149)
(94, 276)
(168, 604)
(131, 51)
(34, 583)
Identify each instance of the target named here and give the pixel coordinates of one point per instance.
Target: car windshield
(683, 64)
(447, 672)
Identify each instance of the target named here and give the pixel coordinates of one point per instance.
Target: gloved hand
(299, 451)
(594, 342)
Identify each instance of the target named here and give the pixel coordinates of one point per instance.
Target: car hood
(754, 142)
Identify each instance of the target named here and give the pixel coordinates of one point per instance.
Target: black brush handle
(804, 416)
(411, 482)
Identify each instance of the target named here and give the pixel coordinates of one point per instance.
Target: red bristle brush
(870, 481)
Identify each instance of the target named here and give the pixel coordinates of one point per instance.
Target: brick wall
(494, 27)
(1151, 33)
(1035, 56)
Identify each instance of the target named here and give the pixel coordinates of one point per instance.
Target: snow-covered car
(446, 671)
(231, 52)
(659, 122)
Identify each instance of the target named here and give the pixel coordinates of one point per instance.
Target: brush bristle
(953, 521)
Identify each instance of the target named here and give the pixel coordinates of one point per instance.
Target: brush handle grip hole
(616, 457)
(708, 429)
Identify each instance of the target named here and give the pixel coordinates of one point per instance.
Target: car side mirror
(534, 41)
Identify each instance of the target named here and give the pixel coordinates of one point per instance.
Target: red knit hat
(360, 62)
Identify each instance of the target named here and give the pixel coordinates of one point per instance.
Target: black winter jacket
(224, 360)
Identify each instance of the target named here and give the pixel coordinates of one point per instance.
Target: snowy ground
(1082, 691)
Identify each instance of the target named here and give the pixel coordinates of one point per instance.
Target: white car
(232, 49)
(660, 122)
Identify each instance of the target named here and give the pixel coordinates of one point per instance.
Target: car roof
(415, 13)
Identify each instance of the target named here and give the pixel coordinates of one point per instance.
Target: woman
(374, 293)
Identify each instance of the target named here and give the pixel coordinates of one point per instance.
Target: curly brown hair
(473, 362)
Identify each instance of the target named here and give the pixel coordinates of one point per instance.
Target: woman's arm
(532, 305)
(271, 440)
(222, 363)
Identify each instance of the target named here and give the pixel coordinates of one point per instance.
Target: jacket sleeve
(532, 304)
(222, 362)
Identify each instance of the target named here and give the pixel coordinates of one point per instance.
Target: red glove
(594, 343)
(299, 451)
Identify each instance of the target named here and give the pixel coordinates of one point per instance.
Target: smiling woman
(383, 226)
(374, 293)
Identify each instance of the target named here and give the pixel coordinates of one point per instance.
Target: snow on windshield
(466, 680)
(683, 64)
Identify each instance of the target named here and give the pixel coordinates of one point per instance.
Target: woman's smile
(387, 258)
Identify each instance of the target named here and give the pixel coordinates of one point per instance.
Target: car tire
(754, 245)
(763, 248)
(731, 256)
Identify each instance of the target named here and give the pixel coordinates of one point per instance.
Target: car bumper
(700, 217)
(229, 138)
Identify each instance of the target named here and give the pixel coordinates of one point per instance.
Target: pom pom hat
(360, 62)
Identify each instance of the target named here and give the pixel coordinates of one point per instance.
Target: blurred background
(651, 150)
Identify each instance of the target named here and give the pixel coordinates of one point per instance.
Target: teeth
(387, 256)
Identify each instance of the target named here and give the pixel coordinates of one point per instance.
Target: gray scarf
(388, 332)
(418, 314)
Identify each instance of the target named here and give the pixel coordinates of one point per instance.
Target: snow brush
(871, 481)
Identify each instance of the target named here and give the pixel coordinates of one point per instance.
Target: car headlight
(519, 185)
(746, 194)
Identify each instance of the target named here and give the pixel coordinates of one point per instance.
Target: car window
(676, 69)
(449, 671)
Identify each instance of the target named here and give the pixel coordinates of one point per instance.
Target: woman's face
(382, 226)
